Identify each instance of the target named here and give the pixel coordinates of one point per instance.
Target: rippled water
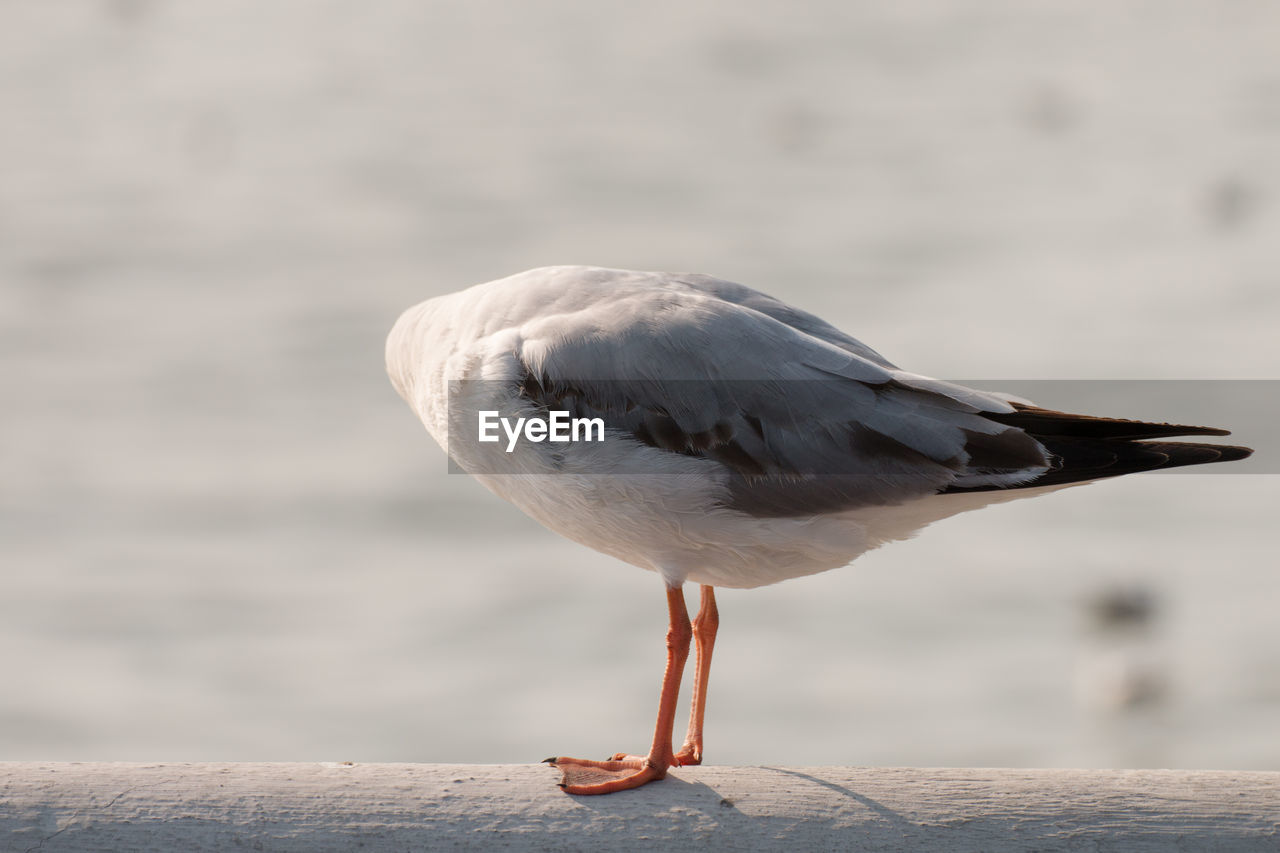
(222, 536)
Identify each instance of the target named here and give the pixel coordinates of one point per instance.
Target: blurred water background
(223, 537)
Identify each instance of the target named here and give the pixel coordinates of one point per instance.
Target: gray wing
(801, 417)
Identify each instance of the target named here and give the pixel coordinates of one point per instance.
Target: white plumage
(666, 511)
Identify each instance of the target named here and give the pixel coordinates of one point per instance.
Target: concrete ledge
(382, 807)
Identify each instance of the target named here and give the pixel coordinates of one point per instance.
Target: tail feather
(1085, 447)
(1047, 422)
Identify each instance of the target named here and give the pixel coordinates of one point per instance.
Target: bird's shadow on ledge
(688, 797)
(880, 810)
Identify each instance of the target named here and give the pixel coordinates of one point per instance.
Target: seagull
(737, 442)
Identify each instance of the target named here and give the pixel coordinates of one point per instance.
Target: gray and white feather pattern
(747, 441)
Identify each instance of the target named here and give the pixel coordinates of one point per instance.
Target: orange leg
(582, 776)
(705, 625)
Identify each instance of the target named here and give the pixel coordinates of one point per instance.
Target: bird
(729, 440)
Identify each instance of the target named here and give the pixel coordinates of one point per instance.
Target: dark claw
(551, 761)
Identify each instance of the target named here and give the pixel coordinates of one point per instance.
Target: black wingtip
(1053, 423)
(1230, 453)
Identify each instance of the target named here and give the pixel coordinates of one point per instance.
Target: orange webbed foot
(673, 760)
(583, 776)
(688, 756)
